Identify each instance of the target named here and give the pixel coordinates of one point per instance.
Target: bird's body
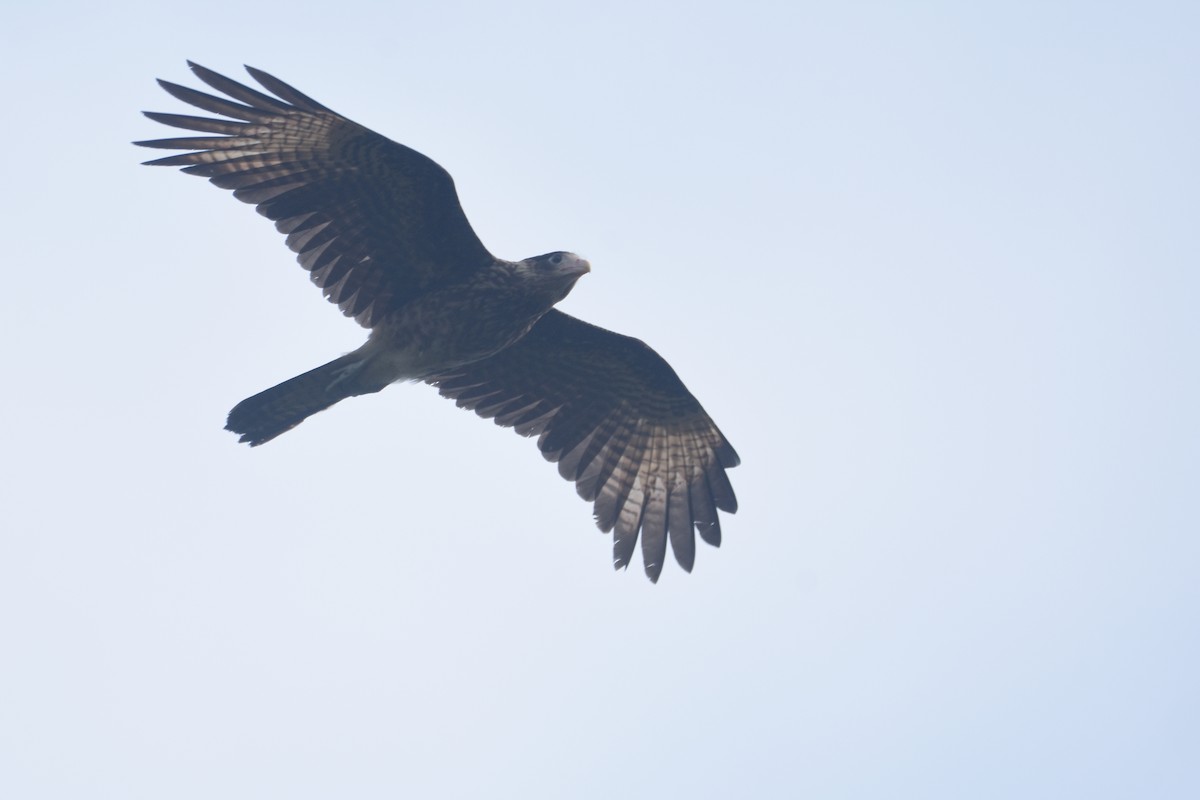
(476, 318)
(379, 228)
(441, 330)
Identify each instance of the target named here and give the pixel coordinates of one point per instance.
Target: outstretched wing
(620, 424)
(374, 222)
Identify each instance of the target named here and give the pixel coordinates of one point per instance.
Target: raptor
(379, 228)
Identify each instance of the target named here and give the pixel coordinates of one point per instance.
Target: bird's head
(555, 272)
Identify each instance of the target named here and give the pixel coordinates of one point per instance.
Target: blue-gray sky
(933, 268)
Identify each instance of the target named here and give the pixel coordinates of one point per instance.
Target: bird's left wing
(374, 222)
(620, 424)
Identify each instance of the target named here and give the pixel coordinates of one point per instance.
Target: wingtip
(204, 73)
(263, 77)
(728, 456)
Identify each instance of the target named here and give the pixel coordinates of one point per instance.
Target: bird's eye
(556, 259)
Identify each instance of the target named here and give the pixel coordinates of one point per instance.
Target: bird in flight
(379, 228)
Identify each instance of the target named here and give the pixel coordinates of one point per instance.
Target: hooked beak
(577, 266)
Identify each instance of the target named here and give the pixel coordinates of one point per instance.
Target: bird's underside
(379, 228)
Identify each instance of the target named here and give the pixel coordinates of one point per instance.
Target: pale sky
(932, 267)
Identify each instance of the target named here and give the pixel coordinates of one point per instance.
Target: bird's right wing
(373, 221)
(620, 424)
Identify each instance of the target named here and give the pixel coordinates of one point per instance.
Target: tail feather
(277, 410)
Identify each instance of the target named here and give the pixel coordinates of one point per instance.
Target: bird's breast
(445, 330)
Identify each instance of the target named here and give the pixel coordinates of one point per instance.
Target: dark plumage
(380, 230)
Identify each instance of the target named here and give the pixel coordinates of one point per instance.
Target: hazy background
(933, 268)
